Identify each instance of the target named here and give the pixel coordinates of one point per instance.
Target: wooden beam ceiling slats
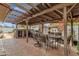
(46, 17)
(50, 15)
(40, 7)
(43, 4)
(33, 6)
(53, 12)
(59, 11)
(29, 12)
(46, 11)
(71, 7)
(49, 5)
(5, 5)
(4, 10)
(34, 9)
(43, 16)
(58, 14)
(58, 6)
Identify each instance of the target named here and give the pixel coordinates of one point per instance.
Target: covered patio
(30, 34)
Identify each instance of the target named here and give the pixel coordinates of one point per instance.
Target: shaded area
(19, 47)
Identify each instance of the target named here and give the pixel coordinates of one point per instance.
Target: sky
(7, 24)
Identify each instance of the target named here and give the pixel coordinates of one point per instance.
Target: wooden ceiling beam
(59, 11)
(48, 4)
(58, 14)
(46, 17)
(39, 18)
(58, 6)
(43, 4)
(71, 7)
(5, 5)
(43, 16)
(33, 6)
(29, 12)
(53, 12)
(36, 20)
(46, 7)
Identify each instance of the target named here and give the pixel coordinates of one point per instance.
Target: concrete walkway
(2, 50)
(19, 47)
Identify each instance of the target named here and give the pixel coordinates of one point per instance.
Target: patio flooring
(19, 47)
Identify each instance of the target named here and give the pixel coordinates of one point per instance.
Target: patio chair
(36, 39)
(50, 41)
(43, 40)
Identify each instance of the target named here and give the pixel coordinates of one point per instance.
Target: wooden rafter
(24, 8)
(33, 6)
(35, 9)
(49, 5)
(71, 7)
(7, 15)
(4, 11)
(59, 11)
(58, 6)
(43, 4)
(46, 17)
(58, 14)
(5, 5)
(43, 16)
(53, 12)
(37, 19)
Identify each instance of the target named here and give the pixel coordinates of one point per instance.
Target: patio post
(65, 30)
(27, 31)
(16, 30)
(41, 27)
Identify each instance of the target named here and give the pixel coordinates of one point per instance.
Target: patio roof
(38, 12)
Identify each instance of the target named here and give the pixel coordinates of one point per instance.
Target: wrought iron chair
(36, 39)
(51, 40)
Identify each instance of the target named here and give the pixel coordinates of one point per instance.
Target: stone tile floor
(19, 47)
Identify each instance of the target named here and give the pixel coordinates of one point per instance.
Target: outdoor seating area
(46, 40)
(39, 29)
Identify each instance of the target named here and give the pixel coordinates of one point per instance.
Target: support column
(65, 31)
(22, 33)
(41, 27)
(71, 42)
(16, 31)
(78, 32)
(27, 31)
